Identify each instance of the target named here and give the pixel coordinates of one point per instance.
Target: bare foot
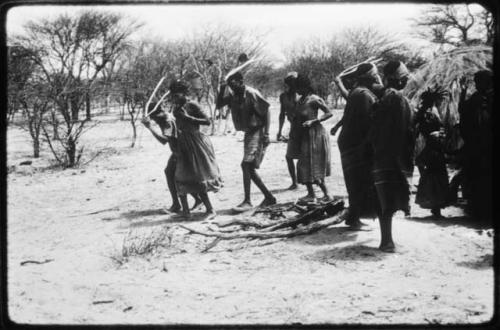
(197, 203)
(268, 201)
(355, 224)
(292, 187)
(244, 206)
(209, 215)
(387, 247)
(174, 209)
(307, 199)
(326, 198)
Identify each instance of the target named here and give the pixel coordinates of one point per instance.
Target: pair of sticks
(151, 99)
(353, 68)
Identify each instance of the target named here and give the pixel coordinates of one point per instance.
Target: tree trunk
(71, 151)
(134, 133)
(87, 106)
(36, 147)
(74, 109)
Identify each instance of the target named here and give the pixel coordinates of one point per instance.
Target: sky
(282, 24)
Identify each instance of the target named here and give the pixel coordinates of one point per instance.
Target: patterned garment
(197, 170)
(391, 138)
(253, 147)
(314, 159)
(356, 153)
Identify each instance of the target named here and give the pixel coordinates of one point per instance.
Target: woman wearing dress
(197, 171)
(314, 161)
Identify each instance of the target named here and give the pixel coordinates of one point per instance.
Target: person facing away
(391, 138)
(288, 103)
(314, 159)
(250, 113)
(355, 150)
(477, 134)
(432, 192)
(197, 171)
(167, 134)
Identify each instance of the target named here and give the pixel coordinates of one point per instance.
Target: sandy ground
(79, 219)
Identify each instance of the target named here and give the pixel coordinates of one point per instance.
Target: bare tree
(71, 52)
(456, 25)
(28, 92)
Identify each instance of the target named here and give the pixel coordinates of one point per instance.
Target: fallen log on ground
(303, 230)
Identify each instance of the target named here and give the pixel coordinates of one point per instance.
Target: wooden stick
(153, 94)
(353, 68)
(36, 262)
(158, 104)
(314, 227)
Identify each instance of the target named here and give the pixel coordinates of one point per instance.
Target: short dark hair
(235, 76)
(303, 81)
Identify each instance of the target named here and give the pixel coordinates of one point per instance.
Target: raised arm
(194, 114)
(222, 98)
(340, 85)
(158, 135)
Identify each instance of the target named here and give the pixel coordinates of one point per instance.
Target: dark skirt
(433, 187)
(293, 145)
(314, 161)
(357, 168)
(197, 170)
(392, 187)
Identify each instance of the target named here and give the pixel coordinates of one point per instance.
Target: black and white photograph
(249, 163)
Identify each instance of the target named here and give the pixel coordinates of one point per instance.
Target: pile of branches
(271, 222)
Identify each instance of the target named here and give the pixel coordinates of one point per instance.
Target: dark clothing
(288, 107)
(433, 190)
(392, 142)
(314, 161)
(476, 129)
(197, 170)
(356, 152)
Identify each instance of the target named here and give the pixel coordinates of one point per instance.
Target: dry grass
(137, 243)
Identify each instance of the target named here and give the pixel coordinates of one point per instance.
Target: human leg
(293, 174)
(324, 189)
(185, 206)
(254, 176)
(209, 209)
(386, 242)
(246, 204)
(170, 175)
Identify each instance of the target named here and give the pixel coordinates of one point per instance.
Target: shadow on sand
(484, 262)
(464, 221)
(358, 251)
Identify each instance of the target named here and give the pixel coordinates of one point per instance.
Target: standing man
(288, 102)
(355, 150)
(476, 129)
(250, 113)
(391, 139)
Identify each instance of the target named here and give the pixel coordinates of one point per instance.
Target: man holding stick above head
(250, 113)
(355, 150)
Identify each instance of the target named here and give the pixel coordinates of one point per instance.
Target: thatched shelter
(446, 70)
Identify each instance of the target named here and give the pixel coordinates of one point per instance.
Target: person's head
(178, 92)
(235, 82)
(366, 74)
(158, 115)
(303, 84)
(396, 75)
(432, 97)
(290, 82)
(483, 80)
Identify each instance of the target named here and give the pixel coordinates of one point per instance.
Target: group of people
(376, 144)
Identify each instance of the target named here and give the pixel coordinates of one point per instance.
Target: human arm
(335, 128)
(281, 118)
(340, 85)
(222, 98)
(193, 113)
(463, 93)
(327, 113)
(158, 135)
